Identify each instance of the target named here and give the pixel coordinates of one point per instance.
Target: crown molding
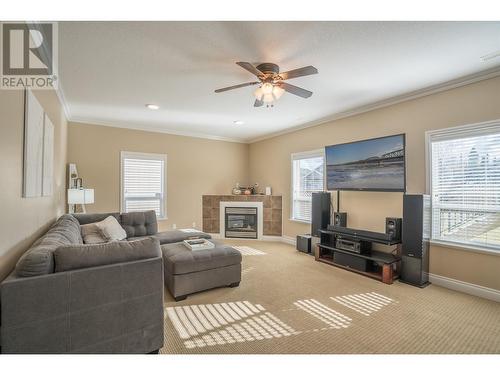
(154, 129)
(434, 89)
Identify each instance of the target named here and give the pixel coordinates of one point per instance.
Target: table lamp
(80, 196)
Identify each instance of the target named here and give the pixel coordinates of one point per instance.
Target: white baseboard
(464, 287)
(289, 240)
(272, 238)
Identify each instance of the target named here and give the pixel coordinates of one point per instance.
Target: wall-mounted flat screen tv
(374, 164)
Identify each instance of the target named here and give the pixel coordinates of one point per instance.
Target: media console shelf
(326, 253)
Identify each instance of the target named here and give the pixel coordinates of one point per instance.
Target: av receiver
(353, 245)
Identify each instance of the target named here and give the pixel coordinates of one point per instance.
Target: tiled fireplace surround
(272, 216)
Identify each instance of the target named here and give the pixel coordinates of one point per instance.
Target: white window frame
(297, 156)
(477, 129)
(142, 155)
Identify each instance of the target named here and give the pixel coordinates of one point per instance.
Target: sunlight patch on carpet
(225, 323)
(247, 250)
(324, 313)
(364, 303)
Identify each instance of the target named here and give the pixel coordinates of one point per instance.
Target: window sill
(299, 221)
(463, 247)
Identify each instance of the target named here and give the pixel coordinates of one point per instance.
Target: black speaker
(393, 227)
(340, 219)
(415, 240)
(320, 212)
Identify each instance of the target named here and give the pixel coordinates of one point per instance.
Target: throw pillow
(91, 233)
(111, 229)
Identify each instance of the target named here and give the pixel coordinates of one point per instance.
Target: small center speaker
(304, 243)
(340, 219)
(393, 227)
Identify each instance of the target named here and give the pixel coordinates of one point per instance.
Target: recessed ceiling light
(490, 56)
(238, 122)
(152, 106)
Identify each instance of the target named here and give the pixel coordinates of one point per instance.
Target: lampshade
(267, 88)
(277, 92)
(268, 93)
(258, 93)
(268, 98)
(80, 196)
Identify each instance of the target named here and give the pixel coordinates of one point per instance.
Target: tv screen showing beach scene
(374, 164)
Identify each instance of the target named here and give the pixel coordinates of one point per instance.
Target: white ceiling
(110, 70)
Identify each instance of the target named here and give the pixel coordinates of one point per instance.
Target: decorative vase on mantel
(237, 189)
(250, 190)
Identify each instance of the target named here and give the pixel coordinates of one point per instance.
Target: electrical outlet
(194, 224)
(174, 226)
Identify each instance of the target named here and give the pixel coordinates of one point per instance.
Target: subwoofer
(393, 227)
(415, 241)
(304, 243)
(340, 219)
(320, 212)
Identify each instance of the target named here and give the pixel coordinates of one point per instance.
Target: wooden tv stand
(326, 250)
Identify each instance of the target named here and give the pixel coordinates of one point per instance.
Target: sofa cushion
(141, 223)
(178, 259)
(39, 259)
(84, 256)
(111, 229)
(93, 218)
(91, 234)
(172, 236)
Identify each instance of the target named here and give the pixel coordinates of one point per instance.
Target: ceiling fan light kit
(271, 85)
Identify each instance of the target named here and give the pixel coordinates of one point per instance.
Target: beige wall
(270, 165)
(23, 219)
(194, 167)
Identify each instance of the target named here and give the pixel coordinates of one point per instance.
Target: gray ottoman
(188, 272)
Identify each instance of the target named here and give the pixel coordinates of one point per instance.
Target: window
(465, 185)
(307, 177)
(143, 182)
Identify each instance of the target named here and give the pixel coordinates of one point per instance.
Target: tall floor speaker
(415, 244)
(320, 212)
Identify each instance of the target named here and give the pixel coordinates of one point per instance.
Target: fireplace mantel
(272, 212)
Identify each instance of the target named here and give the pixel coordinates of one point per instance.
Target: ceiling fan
(271, 85)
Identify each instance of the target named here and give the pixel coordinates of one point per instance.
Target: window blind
(143, 182)
(465, 186)
(307, 177)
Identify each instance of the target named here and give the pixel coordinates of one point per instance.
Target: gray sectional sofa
(68, 297)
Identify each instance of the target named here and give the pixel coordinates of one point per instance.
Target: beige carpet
(289, 303)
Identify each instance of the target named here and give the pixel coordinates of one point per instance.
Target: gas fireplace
(241, 222)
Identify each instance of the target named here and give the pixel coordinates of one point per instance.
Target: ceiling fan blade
(258, 103)
(305, 71)
(237, 86)
(252, 69)
(295, 90)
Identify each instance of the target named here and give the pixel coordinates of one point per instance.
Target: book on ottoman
(198, 244)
